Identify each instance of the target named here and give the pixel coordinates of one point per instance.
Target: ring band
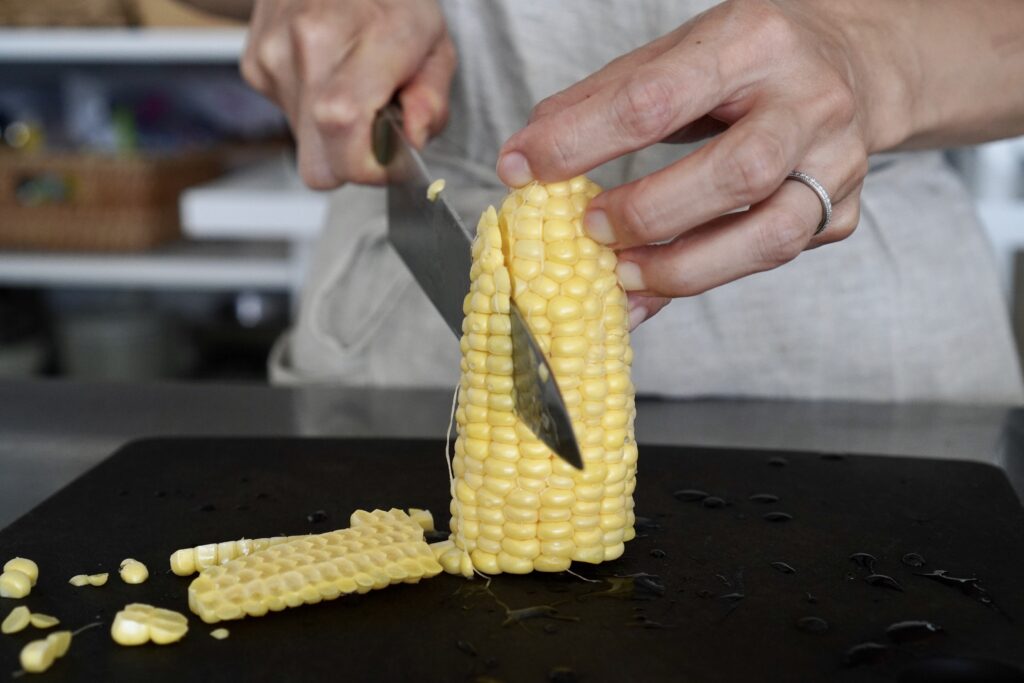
(819, 189)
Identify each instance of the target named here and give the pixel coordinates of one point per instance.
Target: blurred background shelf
(122, 45)
(264, 201)
(185, 265)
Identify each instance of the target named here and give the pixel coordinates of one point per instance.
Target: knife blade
(435, 245)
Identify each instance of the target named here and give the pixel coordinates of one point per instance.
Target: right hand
(332, 65)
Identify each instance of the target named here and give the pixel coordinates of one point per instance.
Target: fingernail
(514, 170)
(637, 315)
(596, 223)
(630, 276)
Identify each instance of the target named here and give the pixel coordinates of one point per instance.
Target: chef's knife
(435, 245)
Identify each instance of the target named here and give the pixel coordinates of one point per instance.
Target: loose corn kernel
(25, 566)
(37, 656)
(17, 620)
(98, 579)
(517, 507)
(60, 641)
(222, 633)
(133, 571)
(79, 580)
(434, 189)
(43, 620)
(378, 549)
(14, 584)
(139, 623)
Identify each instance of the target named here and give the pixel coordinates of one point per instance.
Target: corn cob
(378, 549)
(516, 507)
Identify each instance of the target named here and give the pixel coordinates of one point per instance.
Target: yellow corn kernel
(139, 623)
(37, 656)
(60, 641)
(14, 584)
(25, 566)
(435, 189)
(98, 579)
(188, 561)
(133, 571)
(43, 620)
(378, 549)
(520, 508)
(17, 620)
(222, 633)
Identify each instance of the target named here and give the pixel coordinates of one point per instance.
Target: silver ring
(819, 189)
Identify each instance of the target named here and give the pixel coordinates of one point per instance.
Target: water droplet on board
(764, 498)
(865, 561)
(643, 525)
(784, 568)
(864, 653)
(883, 581)
(810, 599)
(776, 516)
(690, 495)
(659, 554)
(812, 625)
(913, 560)
(317, 516)
(466, 647)
(833, 456)
(713, 502)
(915, 629)
(778, 462)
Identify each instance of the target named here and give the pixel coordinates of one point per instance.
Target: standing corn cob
(517, 507)
(380, 548)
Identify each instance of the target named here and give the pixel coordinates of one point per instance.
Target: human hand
(332, 65)
(789, 92)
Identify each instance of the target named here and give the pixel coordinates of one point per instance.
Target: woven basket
(66, 13)
(95, 203)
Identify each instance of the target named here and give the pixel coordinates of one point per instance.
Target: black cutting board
(718, 610)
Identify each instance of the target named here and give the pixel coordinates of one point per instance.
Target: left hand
(789, 93)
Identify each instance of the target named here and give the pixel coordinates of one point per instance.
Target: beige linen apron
(908, 308)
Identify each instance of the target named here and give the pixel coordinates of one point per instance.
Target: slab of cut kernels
(139, 623)
(133, 571)
(14, 584)
(188, 561)
(378, 549)
(516, 506)
(25, 566)
(43, 620)
(17, 620)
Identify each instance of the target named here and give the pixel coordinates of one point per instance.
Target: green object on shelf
(126, 133)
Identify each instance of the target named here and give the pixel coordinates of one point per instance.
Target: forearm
(236, 9)
(936, 73)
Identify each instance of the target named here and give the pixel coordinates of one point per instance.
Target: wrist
(873, 43)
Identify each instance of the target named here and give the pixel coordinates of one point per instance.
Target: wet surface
(693, 585)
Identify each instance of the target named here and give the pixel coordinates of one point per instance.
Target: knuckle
(335, 113)
(781, 238)
(644, 109)
(754, 168)
(271, 54)
(639, 217)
